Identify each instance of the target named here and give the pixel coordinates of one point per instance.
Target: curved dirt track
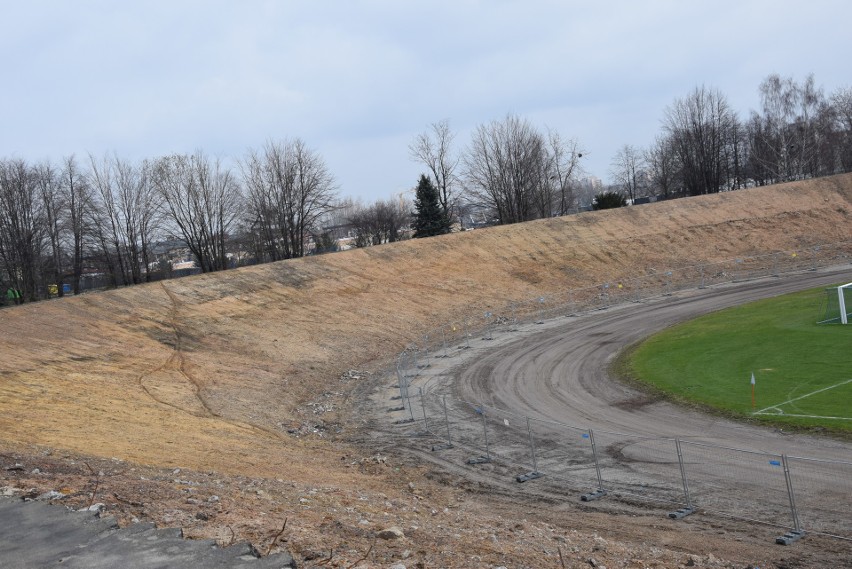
(560, 374)
(543, 386)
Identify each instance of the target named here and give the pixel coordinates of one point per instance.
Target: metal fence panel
(644, 467)
(565, 452)
(823, 495)
(739, 483)
(511, 442)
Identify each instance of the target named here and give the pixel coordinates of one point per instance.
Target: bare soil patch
(237, 385)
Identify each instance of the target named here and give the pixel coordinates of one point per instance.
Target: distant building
(592, 183)
(586, 190)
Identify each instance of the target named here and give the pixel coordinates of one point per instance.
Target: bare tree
(202, 199)
(140, 211)
(786, 144)
(48, 180)
(841, 102)
(381, 222)
(396, 218)
(433, 149)
(124, 217)
(699, 128)
(628, 172)
(663, 168)
(505, 168)
(77, 200)
(21, 228)
(519, 173)
(288, 190)
(736, 153)
(104, 219)
(563, 168)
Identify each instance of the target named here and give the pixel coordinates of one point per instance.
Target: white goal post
(837, 304)
(841, 299)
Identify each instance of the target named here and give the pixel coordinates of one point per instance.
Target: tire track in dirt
(187, 392)
(558, 376)
(562, 375)
(168, 384)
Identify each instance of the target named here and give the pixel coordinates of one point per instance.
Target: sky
(357, 81)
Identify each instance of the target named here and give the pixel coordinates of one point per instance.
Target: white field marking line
(777, 405)
(775, 411)
(806, 416)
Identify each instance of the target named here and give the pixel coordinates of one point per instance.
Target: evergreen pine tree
(608, 200)
(429, 217)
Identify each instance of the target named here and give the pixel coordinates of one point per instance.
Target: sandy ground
(230, 403)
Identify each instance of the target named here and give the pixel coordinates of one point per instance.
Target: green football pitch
(802, 370)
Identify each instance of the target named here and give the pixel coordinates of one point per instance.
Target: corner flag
(752, 390)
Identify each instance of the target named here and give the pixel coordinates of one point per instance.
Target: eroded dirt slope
(242, 374)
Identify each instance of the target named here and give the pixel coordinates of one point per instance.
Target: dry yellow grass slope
(209, 372)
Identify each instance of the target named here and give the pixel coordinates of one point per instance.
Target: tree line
(60, 222)
(515, 172)
(704, 147)
(109, 216)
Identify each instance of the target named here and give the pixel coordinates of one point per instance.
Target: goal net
(837, 304)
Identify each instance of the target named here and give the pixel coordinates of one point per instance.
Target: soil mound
(246, 373)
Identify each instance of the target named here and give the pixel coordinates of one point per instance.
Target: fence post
(410, 406)
(449, 443)
(401, 396)
(444, 342)
(485, 432)
(572, 305)
(688, 509)
(447, 418)
(797, 532)
(532, 446)
(487, 457)
(401, 381)
(403, 392)
(540, 310)
(600, 492)
(423, 407)
(534, 473)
